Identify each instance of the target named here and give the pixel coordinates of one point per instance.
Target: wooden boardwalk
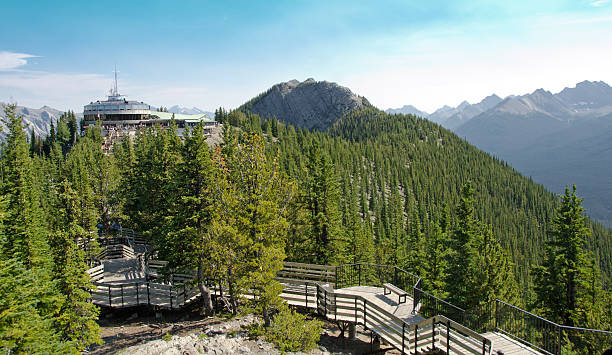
(119, 283)
(505, 344)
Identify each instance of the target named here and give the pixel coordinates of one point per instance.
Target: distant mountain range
(311, 104)
(189, 111)
(557, 139)
(38, 120)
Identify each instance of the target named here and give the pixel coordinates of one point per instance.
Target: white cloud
(59, 90)
(70, 91)
(12, 60)
(598, 3)
(435, 71)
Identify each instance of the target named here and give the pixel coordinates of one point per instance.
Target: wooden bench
(388, 288)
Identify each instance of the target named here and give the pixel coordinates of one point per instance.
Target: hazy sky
(222, 53)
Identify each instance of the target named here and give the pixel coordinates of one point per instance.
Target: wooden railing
(308, 272)
(96, 273)
(143, 293)
(437, 332)
(117, 251)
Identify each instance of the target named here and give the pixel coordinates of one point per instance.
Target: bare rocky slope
(310, 104)
(33, 119)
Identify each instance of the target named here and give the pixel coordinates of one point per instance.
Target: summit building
(119, 117)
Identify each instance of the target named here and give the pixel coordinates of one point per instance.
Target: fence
(361, 274)
(437, 332)
(116, 251)
(542, 334)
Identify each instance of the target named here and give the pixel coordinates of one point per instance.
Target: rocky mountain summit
(310, 104)
(33, 119)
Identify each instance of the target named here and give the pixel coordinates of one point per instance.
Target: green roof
(178, 116)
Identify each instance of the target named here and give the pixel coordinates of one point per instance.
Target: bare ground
(123, 329)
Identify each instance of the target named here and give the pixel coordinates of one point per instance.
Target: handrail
(538, 332)
(393, 324)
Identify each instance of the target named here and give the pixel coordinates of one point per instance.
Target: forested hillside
(404, 172)
(376, 188)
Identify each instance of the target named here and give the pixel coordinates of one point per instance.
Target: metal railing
(437, 332)
(542, 334)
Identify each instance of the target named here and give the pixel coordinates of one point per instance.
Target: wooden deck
(120, 283)
(389, 303)
(506, 345)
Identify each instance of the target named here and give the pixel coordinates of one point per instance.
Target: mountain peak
(407, 110)
(311, 104)
(463, 105)
(587, 95)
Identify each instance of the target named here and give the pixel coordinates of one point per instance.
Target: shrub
(290, 331)
(167, 337)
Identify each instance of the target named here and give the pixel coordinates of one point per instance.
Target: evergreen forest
(374, 188)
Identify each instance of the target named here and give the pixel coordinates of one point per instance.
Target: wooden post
(496, 314)
(325, 299)
(148, 294)
(109, 296)
(122, 295)
(416, 339)
(448, 336)
(403, 336)
(365, 312)
(433, 332)
(335, 308)
(137, 295)
(306, 293)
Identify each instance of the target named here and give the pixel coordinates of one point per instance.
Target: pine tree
(491, 272)
(323, 204)
(76, 318)
(26, 238)
(255, 200)
(436, 265)
(187, 243)
(461, 248)
(23, 330)
(557, 279)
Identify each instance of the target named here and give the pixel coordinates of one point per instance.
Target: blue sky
(220, 53)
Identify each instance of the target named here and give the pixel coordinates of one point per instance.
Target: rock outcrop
(310, 104)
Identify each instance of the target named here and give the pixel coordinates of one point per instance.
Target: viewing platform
(384, 300)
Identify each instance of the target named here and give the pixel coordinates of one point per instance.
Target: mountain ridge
(310, 104)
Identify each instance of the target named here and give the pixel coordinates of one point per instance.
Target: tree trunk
(266, 317)
(207, 306)
(231, 292)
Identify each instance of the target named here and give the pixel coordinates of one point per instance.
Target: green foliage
(167, 337)
(568, 284)
(290, 331)
(23, 329)
(253, 202)
(557, 280)
(76, 319)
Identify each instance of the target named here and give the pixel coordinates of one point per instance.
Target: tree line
(375, 188)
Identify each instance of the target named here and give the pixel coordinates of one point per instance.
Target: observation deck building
(121, 118)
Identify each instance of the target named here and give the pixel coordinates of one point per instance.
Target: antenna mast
(116, 90)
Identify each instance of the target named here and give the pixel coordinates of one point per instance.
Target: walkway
(506, 345)
(119, 283)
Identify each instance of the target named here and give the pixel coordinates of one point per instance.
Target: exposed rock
(224, 338)
(311, 104)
